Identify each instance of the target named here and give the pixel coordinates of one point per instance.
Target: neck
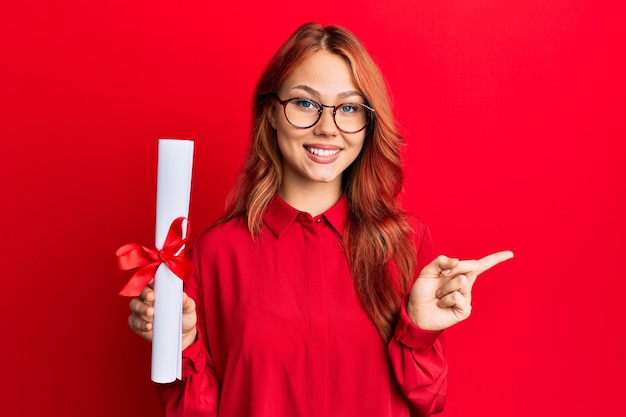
(312, 198)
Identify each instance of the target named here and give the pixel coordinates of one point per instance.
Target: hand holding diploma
(442, 295)
(141, 321)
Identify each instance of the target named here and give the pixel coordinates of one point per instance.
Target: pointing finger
(473, 268)
(492, 260)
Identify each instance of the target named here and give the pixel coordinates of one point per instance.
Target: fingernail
(439, 293)
(445, 272)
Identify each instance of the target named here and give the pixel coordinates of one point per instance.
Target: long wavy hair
(377, 235)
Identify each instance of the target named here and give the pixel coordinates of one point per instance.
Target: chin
(327, 179)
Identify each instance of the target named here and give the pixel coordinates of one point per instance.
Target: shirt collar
(279, 215)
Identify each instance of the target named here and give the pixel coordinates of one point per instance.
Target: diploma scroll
(175, 159)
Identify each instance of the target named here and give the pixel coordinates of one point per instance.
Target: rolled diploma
(175, 160)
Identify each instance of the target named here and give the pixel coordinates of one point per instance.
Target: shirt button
(318, 220)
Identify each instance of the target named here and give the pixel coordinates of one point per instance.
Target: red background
(514, 113)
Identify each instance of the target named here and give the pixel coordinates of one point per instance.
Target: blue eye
(305, 104)
(349, 108)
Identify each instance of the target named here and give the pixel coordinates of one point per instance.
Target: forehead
(325, 72)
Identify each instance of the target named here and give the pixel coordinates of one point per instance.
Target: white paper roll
(175, 161)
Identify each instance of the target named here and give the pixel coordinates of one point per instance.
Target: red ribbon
(133, 256)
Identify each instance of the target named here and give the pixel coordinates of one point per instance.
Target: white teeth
(323, 152)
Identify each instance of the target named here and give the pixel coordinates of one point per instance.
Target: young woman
(305, 298)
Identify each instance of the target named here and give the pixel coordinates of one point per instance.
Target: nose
(326, 126)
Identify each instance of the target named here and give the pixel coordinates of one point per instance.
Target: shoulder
(222, 235)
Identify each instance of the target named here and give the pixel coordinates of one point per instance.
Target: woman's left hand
(442, 295)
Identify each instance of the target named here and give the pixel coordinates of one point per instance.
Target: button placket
(314, 272)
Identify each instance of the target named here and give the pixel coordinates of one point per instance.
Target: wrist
(190, 338)
(410, 312)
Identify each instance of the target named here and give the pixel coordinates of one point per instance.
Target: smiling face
(317, 156)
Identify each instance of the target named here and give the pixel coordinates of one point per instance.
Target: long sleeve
(198, 392)
(418, 360)
(418, 356)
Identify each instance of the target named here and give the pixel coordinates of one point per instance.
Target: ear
(271, 116)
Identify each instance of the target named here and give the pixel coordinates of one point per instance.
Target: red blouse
(282, 333)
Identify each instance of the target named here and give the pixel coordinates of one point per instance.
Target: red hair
(377, 235)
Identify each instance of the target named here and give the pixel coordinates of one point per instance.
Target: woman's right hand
(142, 317)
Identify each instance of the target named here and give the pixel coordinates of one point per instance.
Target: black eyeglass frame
(320, 110)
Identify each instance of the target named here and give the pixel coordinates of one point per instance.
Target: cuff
(192, 358)
(410, 335)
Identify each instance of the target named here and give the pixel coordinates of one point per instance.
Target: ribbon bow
(133, 256)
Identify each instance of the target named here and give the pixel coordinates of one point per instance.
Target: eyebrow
(345, 94)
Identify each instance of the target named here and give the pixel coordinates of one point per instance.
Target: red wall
(514, 113)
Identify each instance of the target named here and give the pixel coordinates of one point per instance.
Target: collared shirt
(282, 333)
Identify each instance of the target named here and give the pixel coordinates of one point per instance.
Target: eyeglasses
(303, 113)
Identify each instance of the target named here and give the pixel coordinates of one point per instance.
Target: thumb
(441, 265)
(189, 305)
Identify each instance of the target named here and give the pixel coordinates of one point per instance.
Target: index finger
(494, 259)
(147, 295)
